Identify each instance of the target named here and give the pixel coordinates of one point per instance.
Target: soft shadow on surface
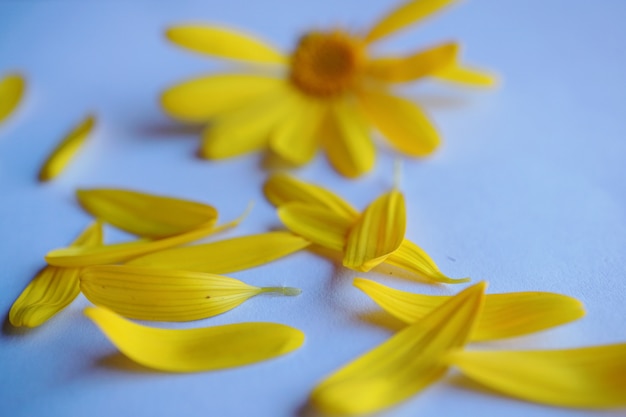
(273, 162)
(119, 362)
(307, 410)
(440, 101)
(171, 130)
(461, 381)
(382, 319)
(9, 330)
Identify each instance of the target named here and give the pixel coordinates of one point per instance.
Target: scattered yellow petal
(464, 75)
(146, 215)
(66, 149)
(504, 315)
(12, 88)
(146, 293)
(192, 350)
(590, 377)
(320, 226)
(227, 255)
(225, 43)
(53, 288)
(377, 233)
(403, 16)
(405, 364)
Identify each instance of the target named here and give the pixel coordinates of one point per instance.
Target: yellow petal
(591, 377)
(66, 149)
(377, 233)
(403, 16)
(283, 188)
(413, 67)
(401, 121)
(12, 88)
(202, 349)
(405, 364)
(295, 138)
(411, 257)
(226, 255)
(249, 127)
(146, 293)
(146, 215)
(201, 99)
(317, 225)
(504, 315)
(52, 289)
(464, 75)
(346, 140)
(224, 43)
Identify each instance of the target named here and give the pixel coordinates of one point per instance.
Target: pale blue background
(528, 192)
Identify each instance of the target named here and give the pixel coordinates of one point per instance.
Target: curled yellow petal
(589, 377)
(412, 67)
(202, 99)
(461, 74)
(377, 233)
(282, 188)
(192, 350)
(504, 315)
(12, 88)
(146, 215)
(224, 43)
(320, 226)
(403, 365)
(166, 295)
(66, 149)
(53, 288)
(227, 255)
(403, 16)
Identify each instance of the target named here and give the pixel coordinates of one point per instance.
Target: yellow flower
(12, 88)
(192, 350)
(363, 241)
(324, 94)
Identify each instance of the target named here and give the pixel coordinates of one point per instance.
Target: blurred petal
(53, 288)
(66, 149)
(464, 75)
(146, 215)
(405, 364)
(228, 255)
(201, 99)
(413, 67)
(377, 233)
(12, 88)
(504, 315)
(318, 225)
(403, 16)
(283, 188)
(412, 258)
(591, 377)
(202, 349)
(224, 43)
(401, 121)
(346, 140)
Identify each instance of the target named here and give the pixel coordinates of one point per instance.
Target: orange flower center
(326, 64)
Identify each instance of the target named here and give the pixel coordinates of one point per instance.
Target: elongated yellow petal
(346, 140)
(464, 75)
(192, 350)
(146, 215)
(281, 189)
(201, 99)
(165, 295)
(405, 364)
(403, 16)
(413, 67)
(320, 226)
(401, 121)
(377, 233)
(296, 137)
(66, 149)
(224, 43)
(412, 258)
(590, 377)
(53, 288)
(504, 315)
(226, 255)
(248, 128)
(12, 88)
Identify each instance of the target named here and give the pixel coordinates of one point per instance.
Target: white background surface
(528, 192)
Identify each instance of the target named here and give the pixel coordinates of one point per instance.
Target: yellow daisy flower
(324, 94)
